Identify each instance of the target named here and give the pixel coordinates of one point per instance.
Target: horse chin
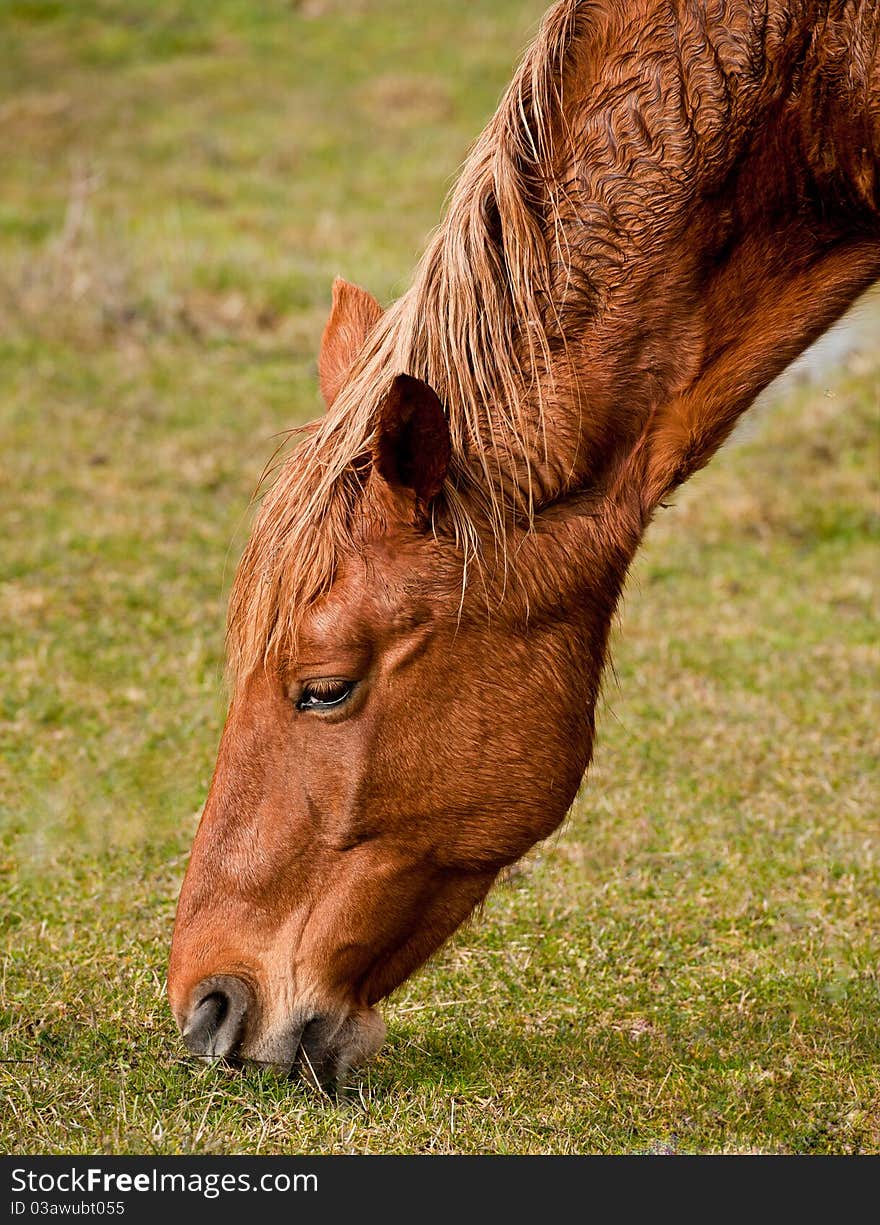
(324, 1049)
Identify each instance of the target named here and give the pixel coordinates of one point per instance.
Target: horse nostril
(317, 1055)
(216, 1020)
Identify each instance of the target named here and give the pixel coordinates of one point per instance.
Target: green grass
(690, 965)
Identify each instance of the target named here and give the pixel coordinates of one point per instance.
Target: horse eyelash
(324, 688)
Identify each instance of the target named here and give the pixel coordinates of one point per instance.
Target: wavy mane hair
(545, 235)
(477, 325)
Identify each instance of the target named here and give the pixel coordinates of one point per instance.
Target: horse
(673, 199)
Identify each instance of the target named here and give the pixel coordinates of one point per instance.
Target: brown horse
(674, 198)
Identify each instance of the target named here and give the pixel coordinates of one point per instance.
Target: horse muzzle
(222, 1017)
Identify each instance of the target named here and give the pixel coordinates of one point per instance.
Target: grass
(690, 965)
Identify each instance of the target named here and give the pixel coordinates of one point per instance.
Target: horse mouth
(323, 1047)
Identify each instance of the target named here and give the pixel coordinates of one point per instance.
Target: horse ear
(353, 314)
(412, 447)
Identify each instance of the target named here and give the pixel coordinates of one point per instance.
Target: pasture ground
(690, 965)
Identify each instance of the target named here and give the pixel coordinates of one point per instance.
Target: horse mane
(548, 239)
(477, 325)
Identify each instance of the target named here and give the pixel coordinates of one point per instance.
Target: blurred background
(179, 183)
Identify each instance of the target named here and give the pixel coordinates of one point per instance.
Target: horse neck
(714, 210)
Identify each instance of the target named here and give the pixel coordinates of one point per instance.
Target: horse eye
(324, 695)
